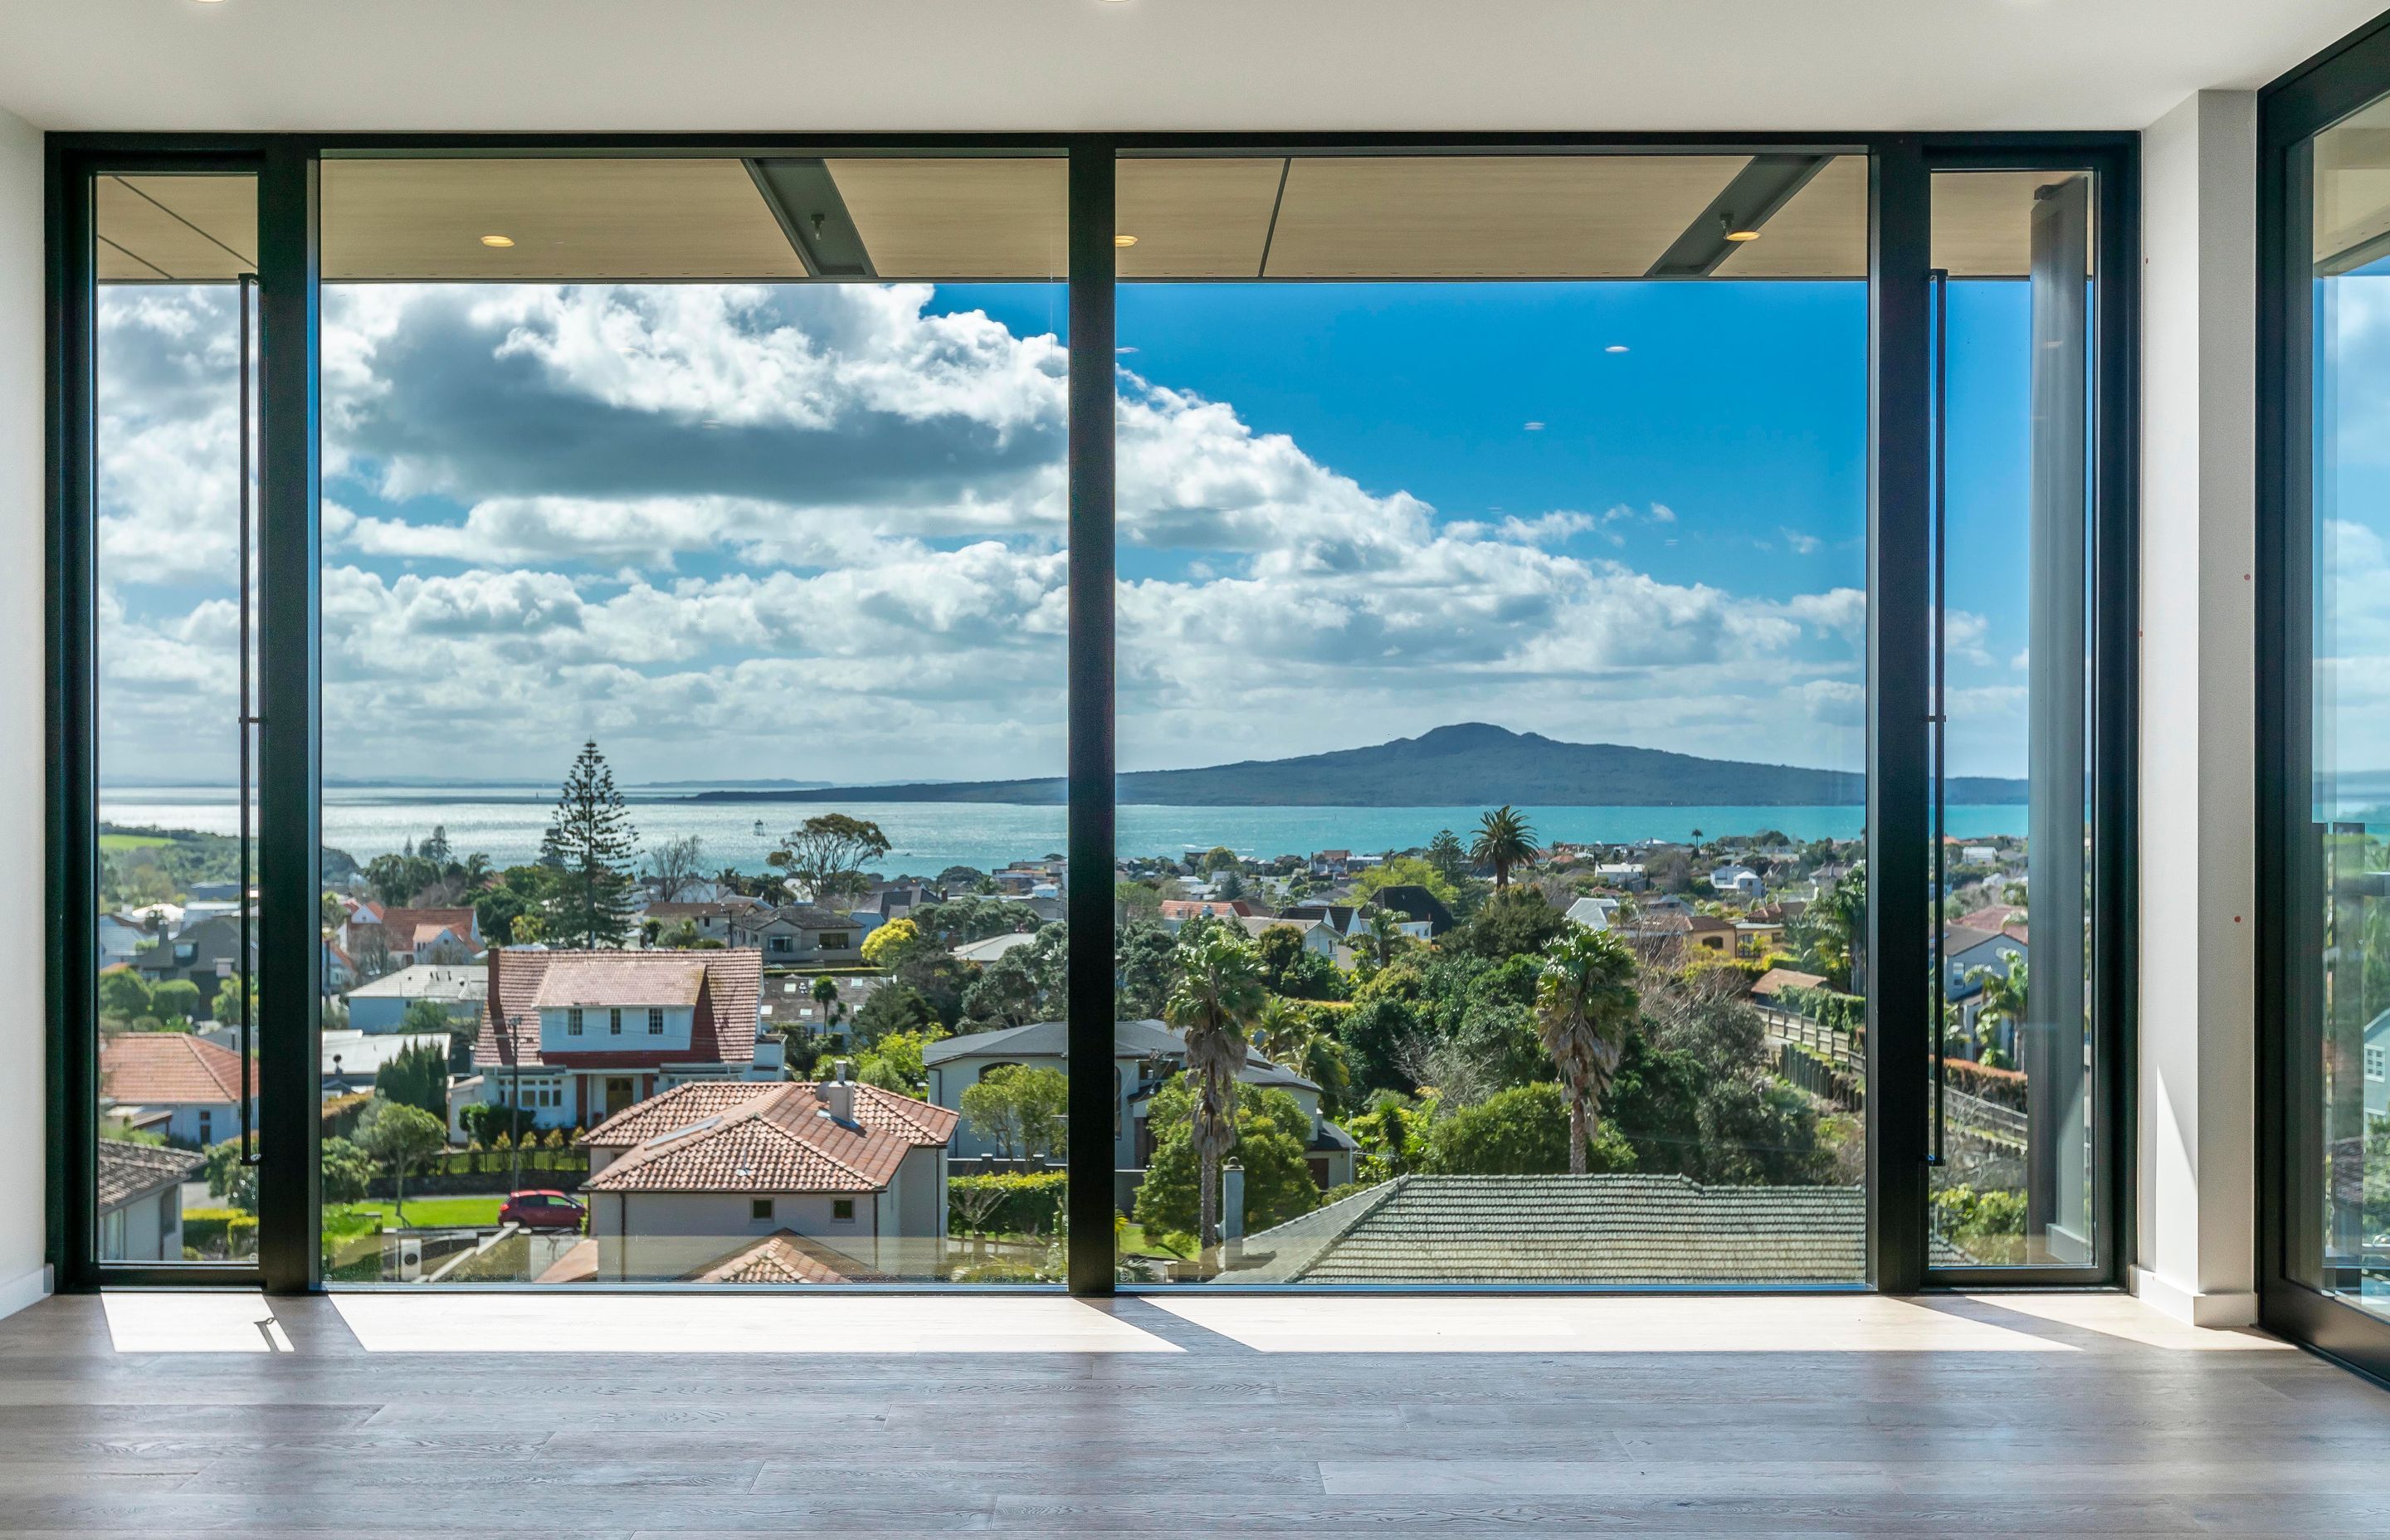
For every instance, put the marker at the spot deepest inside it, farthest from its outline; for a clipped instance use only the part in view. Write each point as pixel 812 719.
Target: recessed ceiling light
pixel 1615 347
pixel 499 242
pixel 1534 428
pixel 1124 240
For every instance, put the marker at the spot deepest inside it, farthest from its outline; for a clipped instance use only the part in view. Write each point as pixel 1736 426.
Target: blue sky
pixel 816 531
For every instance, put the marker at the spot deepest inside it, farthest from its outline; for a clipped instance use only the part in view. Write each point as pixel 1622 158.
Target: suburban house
pixel 578 1036
pixel 790 1182
pixel 1965 949
pixel 1592 913
pixel 196 1084
pixel 1738 879
pixel 1145 1054
pixel 799 936
pixel 1330 863
pixel 119 938
pixel 787 1004
pixel 1768 990
pixel 380 937
pixel 382 1006
pixel 988 949
pixel 1411 902
pixel 1317 936
pixel 1338 916
pixel 899 901
pixel 709 921
pixel 1626 875
pixel 1176 912
pixel 141 1201
pixel 350 1059
pixel 204 953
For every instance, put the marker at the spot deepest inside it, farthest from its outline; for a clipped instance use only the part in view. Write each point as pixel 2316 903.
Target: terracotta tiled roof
pixel 781 1139
pixel 618 978
pixel 128 1170
pixel 409 923
pixel 723 1031
pixel 783 1256
pixel 1785 978
pixel 148 1068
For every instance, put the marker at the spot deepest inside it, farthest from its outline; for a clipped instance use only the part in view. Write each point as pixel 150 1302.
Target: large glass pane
pixel 2017 1128
pixel 692 527
pixel 2338 1226
pixel 1492 719
pixel 175 948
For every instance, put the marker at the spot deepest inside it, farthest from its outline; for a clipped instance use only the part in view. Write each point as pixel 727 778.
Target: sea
pixel 505 823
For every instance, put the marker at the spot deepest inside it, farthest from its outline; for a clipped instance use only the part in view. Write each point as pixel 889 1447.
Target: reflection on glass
pixel 2338 1234
pixel 170 253
pixel 2016 1130
pixel 1491 621
pixel 693 530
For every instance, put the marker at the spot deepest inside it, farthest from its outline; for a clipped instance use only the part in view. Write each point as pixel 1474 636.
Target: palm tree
pixel 1585 998
pixel 1215 1000
pixel 2004 994
pixel 1384 936
pixel 1505 839
pixel 825 995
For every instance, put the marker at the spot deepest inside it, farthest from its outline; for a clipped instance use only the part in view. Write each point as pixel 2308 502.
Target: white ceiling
pixel 1140 64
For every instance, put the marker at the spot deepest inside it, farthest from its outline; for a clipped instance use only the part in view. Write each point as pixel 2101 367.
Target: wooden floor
pixel 361 1417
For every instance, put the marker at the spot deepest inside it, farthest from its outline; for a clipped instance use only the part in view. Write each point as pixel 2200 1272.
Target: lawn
pixel 422 1213
pixel 132 842
pixel 1134 1244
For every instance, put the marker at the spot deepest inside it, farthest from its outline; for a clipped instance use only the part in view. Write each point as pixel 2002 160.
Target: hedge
pixel 220 1232
pixel 1826 1006
pixel 1027 1202
pixel 2000 1087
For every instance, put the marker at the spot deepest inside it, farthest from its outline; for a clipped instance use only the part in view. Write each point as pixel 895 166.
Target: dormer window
pixel 572 1023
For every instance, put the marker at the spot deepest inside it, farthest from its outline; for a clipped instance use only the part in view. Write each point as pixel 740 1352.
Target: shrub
pixel 1521 1132
pixel 1025 1202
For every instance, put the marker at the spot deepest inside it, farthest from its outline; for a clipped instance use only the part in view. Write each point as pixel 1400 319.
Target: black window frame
pixel 2349 75
pixel 289 767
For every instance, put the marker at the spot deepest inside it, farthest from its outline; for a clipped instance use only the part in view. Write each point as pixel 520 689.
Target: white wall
pixel 2197 1166
pixel 24 1276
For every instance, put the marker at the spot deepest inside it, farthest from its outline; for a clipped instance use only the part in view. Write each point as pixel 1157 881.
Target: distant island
pixel 1471 763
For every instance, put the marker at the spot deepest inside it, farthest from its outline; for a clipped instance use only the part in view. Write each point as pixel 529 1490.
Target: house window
pixel 842 1210
pixel 781 944
pixel 760 1208
pixel 833 940
pixel 655 1022
pixel 572 1023
pixel 614 1021
pixel 2374 1062
pixel 207 1126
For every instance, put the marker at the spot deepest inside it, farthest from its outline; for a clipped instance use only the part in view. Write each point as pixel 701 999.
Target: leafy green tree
pixel 1406 871
pixel 225 1008
pixel 1291 1036
pixel 887 945
pixel 347 1171
pixel 934 974
pixel 893 1063
pixel 892 1008
pixel 519 892
pixel 825 855
pixel 1584 1002
pixel 1022 1111
pixel 418 1076
pixel 174 1001
pixel 1145 962
pixel 1509 925
pixel 1444 853
pixel 1278 948
pixel 400 1137
pixel 592 842
pixel 1383 937
pixel 2004 992
pixel 227 1178
pixel 1004 995
pixel 1504 840
pixel 1181 1192
pixel 1521 1132
pixel 971 916
pixel 1217 997
pixel 123 997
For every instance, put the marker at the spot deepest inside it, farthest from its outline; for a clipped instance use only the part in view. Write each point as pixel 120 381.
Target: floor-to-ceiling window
pixel 2326 754
pixel 1499 585
pixel 1492 718
pixel 174 259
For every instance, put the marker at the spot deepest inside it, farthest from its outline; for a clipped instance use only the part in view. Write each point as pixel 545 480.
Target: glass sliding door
pixel 694 529
pixel 1491 855
pixel 2020 1129
pixel 172 577
pixel 2327 1273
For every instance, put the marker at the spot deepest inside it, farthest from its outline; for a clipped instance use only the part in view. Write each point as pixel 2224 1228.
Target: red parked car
pixel 543 1209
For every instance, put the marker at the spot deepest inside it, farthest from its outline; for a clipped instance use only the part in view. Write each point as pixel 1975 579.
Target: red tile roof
pixel 723 985
pixel 779 1137
pixel 405 925
pixel 147 1068
pixel 783 1256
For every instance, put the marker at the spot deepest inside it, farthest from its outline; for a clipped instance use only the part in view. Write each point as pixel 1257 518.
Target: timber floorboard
pixel 1327 1416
